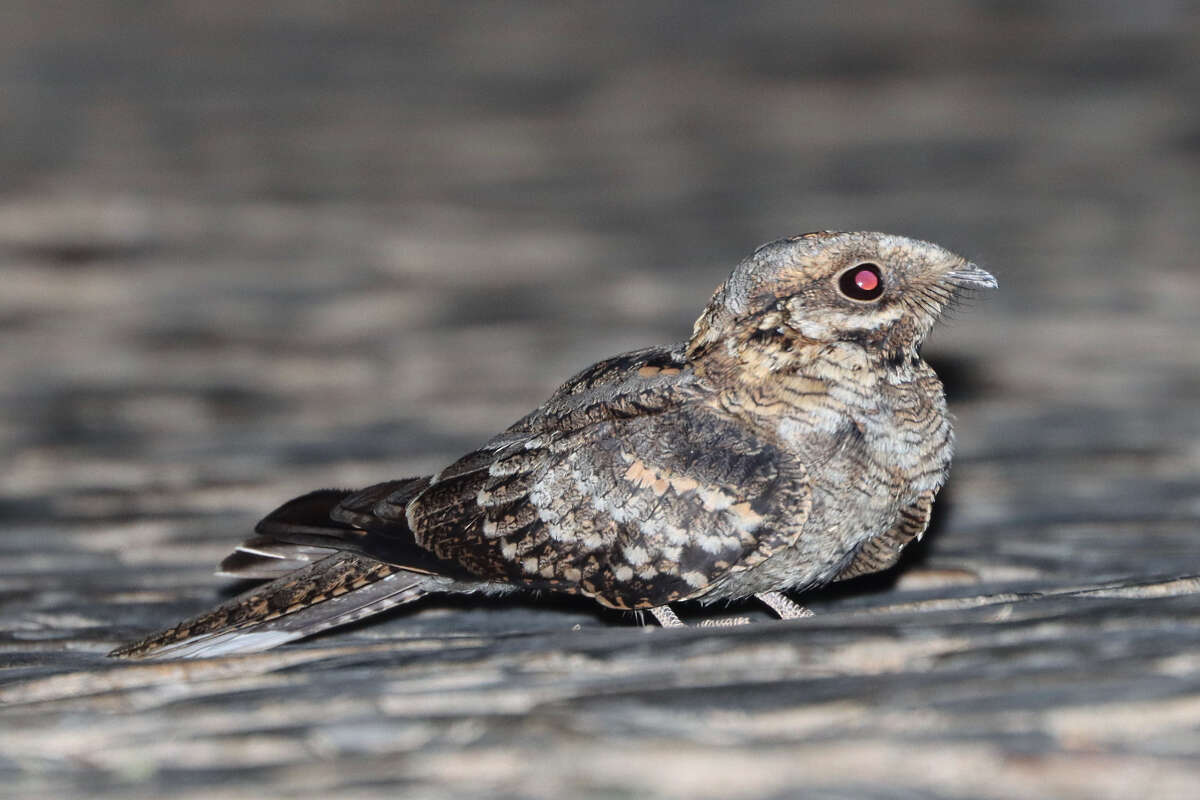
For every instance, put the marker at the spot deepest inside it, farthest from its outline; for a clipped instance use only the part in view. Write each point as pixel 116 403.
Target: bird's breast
pixel 872 443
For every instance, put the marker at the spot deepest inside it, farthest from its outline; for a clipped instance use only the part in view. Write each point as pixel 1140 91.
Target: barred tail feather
pixel 334 591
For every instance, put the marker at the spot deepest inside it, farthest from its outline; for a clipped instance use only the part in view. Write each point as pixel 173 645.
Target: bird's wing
pixel 373 522
pixel 639 372
pixel 640 498
pixel 314 526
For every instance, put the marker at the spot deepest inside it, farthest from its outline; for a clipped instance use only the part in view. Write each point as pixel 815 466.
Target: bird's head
pixel 882 291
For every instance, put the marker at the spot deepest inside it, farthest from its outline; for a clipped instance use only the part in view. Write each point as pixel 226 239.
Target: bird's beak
pixel 969 276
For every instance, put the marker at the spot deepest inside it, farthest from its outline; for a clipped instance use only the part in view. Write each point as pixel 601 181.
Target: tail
pixel 335 591
pixel 326 570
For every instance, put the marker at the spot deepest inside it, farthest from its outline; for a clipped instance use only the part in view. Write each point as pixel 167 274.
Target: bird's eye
pixel 862 282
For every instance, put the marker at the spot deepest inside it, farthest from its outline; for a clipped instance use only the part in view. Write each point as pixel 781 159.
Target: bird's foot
pixel 666 617
pixel 725 622
pixel 783 605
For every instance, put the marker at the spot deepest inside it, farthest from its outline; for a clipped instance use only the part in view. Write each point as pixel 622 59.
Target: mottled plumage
pixel 795 439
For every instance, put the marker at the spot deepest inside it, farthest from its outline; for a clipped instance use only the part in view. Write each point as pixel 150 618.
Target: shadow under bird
pixel 797 438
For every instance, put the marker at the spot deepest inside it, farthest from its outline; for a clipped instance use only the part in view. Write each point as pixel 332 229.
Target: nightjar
pixel 797 438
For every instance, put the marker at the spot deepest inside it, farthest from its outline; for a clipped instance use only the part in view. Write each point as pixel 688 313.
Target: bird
pixel 796 438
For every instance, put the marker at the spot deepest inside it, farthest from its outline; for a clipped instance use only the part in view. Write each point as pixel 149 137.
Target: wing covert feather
pixel 634 510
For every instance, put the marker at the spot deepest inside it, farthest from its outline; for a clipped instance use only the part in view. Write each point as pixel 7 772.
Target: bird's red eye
pixel 862 282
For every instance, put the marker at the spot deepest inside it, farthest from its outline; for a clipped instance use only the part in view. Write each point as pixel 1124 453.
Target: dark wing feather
pixel 370 522
pixel 379 507
pixel 266 557
pixel 298 533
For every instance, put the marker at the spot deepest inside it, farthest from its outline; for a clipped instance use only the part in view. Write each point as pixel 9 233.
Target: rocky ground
pixel 248 250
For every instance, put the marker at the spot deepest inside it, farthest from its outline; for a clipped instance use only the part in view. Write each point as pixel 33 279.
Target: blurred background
pixel 249 249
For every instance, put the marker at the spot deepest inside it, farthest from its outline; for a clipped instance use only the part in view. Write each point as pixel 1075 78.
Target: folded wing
pixel 636 501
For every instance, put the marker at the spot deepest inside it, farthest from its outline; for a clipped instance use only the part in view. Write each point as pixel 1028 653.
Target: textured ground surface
pixel 248 251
